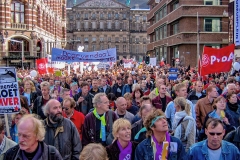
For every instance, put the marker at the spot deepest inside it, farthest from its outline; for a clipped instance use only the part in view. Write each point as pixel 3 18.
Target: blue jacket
pixel 234 115
pixel 199 151
pixel 144 150
pixel 126 89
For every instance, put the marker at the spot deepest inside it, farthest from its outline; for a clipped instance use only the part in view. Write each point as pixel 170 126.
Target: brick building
pixel 39 24
pixel 173 28
pixel 108 24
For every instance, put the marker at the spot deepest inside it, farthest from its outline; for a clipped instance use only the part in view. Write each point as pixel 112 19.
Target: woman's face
pixel 17 118
pixel 233 99
pixel 137 94
pixel 27 85
pixel 129 103
pixel 148 109
pixel 124 133
pixel 221 104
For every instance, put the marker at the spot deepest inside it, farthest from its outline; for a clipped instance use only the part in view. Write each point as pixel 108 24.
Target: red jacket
pixel 78 119
pixel 158 103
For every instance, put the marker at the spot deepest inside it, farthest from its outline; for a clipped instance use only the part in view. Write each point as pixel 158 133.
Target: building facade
pixel 109 24
pixel 38 24
pixel 178 26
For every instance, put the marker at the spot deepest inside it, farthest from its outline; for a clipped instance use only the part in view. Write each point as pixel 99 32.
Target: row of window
pixel 109 39
pixel 162 12
pixel 161 32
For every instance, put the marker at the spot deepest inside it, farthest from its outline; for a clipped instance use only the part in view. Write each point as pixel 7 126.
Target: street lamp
pixel 22 42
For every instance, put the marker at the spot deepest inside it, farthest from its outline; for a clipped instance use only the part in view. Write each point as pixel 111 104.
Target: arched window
pixel 15 48
pixel 17 12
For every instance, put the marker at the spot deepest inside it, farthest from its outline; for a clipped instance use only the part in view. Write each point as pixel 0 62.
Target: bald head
pixel 49 105
pixel 121 104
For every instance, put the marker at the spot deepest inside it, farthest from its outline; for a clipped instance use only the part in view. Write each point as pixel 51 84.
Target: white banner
pixel 237 22
pixel 153 61
pixel 55 64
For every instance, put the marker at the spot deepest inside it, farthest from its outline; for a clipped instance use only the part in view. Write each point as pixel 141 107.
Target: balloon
pixel 33 73
pixel 236 66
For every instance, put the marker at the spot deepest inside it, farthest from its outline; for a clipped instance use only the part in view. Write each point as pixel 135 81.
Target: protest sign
pixel 103 65
pixel 42 65
pixel 55 64
pixel 62 55
pixel 9 93
pixel 217 60
pixel 153 61
pixel 173 74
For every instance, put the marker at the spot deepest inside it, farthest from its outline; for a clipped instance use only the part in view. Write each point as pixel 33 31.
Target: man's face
pixel 26 136
pixel 55 111
pixel 74 87
pixel 119 81
pixel 231 88
pixel 66 94
pixel 122 105
pixel 94 84
pixel 85 90
pixel 103 82
pixel 199 87
pixel 214 135
pixel 213 93
pixel 45 90
pixel 163 89
pixel 51 81
pixel 57 83
pixel 130 81
pixel 182 92
pixel 67 107
pixel 161 125
pixel 104 105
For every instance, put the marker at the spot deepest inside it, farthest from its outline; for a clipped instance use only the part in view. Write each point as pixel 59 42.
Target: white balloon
pixel 236 66
pixel 33 73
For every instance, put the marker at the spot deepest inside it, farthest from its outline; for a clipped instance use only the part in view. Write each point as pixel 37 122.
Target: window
pixel 17 12
pixel 175 28
pixel 116 16
pixel 101 25
pixel 101 16
pixel 175 51
pixel 124 39
pixel 109 39
pixel 85 47
pixel 175 5
pixel 144 48
pixel 86 16
pixel 86 25
pixel 117 47
pixel 144 18
pixel 86 39
pixel 93 15
pixel 109 15
pixel 79 38
pixel 217 46
pixel 101 47
pixel 157 34
pixel 165 11
pixel 101 39
pixel 117 25
pixel 116 39
pixel 78 15
pixel 212 25
pixel 136 49
pixel 109 26
pixel 94 39
pixel 93 47
pixel 165 31
pixel 124 48
pixel 124 26
pixel 94 26
pixel 137 18
pixel 124 16
pixel 78 24
pixel 213 2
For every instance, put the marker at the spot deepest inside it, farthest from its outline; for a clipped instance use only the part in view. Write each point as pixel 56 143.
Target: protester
pixel 69 112
pixel 98 123
pixel 197 93
pixel 117 88
pixel 137 134
pixel 122 147
pixel 161 101
pixel 204 106
pixel 74 89
pixel 121 110
pixel 157 133
pixel 137 94
pixel 95 89
pixel 233 108
pixel 155 92
pixel 93 151
pixel 127 88
pixel 29 92
pixel 61 132
pixel 13 130
pixel 214 147
pixel 105 88
pixel 130 107
pixel 234 137
pixel 184 125
pixel 31 145
pixel 41 101
pixel 5 143
pixel 84 99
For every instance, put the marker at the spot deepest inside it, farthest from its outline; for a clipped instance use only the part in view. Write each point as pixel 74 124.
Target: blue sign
pixel 172 73
pixel 62 55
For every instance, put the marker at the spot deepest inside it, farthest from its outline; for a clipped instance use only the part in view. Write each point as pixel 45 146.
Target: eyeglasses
pixel 89 81
pixel 164 88
pixel 145 98
pixel 66 109
pixel 213 134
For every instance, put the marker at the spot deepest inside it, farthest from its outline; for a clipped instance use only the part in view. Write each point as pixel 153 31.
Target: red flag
pixel 50 70
pixel 42 65
pixel 217 60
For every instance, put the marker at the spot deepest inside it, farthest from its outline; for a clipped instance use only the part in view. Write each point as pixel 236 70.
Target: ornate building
pixel 39 24
pixel 108 24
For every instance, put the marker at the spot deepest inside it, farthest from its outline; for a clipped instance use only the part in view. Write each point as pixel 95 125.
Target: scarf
pixel 159 148
pixel 103 124
pixel 232 107
pixel 178 116
pixel 125 153
pixel 156 91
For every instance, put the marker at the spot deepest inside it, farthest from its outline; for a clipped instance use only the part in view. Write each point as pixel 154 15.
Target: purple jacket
pixel 158 103
pixel 89 127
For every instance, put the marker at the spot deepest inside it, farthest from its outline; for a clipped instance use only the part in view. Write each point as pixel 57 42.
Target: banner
pixel 217 60
pixel 153 61
pixel 173 74
pixel 9 95
pixel 108 55
pixel 55 64
pixel 237 22
pixel 42 65
pixel 128 63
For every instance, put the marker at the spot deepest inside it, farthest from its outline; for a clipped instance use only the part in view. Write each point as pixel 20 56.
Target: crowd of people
pixel 125 114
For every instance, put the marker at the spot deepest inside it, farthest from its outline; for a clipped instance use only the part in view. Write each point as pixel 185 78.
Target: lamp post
pixel 22 42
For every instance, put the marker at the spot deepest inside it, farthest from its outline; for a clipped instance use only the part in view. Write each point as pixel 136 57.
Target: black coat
pixel 37 107
pixel 33 96
pixel 88 98
pixel 113 151
pixel 234 137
